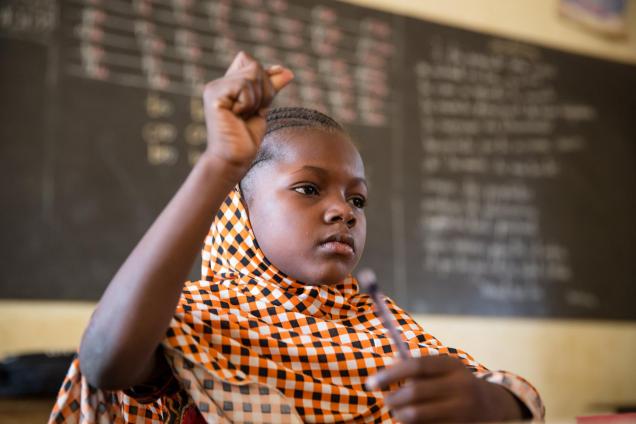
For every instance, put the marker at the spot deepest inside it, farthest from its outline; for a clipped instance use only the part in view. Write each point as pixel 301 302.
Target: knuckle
pixel 407 414
pixel 423 363
pixel 247 87
pixel 465 375
pixel 382 378
pixel 458 379
pixel 407 393
pixel 448 359
pixel 209 87
pixel 209 90
pixel 455 385
pixel 451 363
pixel 253 68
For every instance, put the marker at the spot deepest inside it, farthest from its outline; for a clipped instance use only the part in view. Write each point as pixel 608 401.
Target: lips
pixel 339 243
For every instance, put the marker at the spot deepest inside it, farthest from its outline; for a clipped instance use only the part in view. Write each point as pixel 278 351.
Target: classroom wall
pixel 535 21
pixel 579 366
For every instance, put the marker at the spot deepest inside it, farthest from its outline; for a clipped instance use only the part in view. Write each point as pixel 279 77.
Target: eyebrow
pixel 323 173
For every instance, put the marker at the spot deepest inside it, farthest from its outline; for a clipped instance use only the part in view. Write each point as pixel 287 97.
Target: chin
pixel 325 273
pixel 331 278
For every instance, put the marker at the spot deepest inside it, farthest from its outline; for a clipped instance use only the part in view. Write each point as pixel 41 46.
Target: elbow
pixel 103 371
pixel 100 375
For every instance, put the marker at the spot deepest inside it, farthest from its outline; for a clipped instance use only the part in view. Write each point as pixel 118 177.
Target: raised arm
pixel 134 312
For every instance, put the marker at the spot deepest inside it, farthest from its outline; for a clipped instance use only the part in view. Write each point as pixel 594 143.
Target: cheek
pixel 280 234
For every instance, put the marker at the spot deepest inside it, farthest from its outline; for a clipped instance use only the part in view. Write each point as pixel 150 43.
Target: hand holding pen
pixel 436 387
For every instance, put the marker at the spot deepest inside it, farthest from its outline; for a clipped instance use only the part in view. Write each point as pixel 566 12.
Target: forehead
pixel 331 150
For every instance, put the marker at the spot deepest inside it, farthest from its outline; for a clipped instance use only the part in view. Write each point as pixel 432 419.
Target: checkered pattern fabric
pixel 250 344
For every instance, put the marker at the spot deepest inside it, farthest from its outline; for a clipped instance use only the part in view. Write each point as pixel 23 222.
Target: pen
pixel 369 283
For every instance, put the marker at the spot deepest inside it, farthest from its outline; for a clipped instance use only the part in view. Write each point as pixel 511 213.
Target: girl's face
pixel 306 205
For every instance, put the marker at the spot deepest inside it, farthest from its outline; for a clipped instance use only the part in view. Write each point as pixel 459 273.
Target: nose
pixel 340 211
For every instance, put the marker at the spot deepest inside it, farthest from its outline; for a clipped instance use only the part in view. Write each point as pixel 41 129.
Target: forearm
pixel 136 308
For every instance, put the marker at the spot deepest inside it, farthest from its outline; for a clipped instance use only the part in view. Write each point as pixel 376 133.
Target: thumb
pixel 279 76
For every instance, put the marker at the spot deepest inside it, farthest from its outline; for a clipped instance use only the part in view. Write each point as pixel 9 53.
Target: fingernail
pixel 275 68
pixel 371 383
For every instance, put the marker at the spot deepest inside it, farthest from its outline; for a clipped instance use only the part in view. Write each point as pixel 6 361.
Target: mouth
pixel 339 244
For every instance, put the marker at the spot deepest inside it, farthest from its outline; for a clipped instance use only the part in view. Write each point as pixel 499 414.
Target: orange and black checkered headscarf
pixel 249 344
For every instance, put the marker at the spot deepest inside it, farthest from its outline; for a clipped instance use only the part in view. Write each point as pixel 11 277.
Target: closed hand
pixel 235 108
pixel 442 389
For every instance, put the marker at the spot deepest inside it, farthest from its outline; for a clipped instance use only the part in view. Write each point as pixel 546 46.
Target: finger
pixel 274 70
pixel 258 90
pixel 255 72
pixel 279 76
pixel 235 94
pixel 419 391
pixel 246 103
pixel 427 366
pixel 268 92
pixel 240 61
pixel 439 411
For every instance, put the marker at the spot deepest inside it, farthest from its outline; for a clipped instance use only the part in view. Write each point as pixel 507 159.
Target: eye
pixel 358 201
pixel 307 190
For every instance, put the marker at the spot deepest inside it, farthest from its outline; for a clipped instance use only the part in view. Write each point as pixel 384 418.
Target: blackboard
pixel 502 173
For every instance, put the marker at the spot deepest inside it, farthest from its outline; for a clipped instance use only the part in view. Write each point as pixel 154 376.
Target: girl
pixel 276 330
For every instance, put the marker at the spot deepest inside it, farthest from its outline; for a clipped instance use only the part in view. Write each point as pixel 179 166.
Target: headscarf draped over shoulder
pixel 249 343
